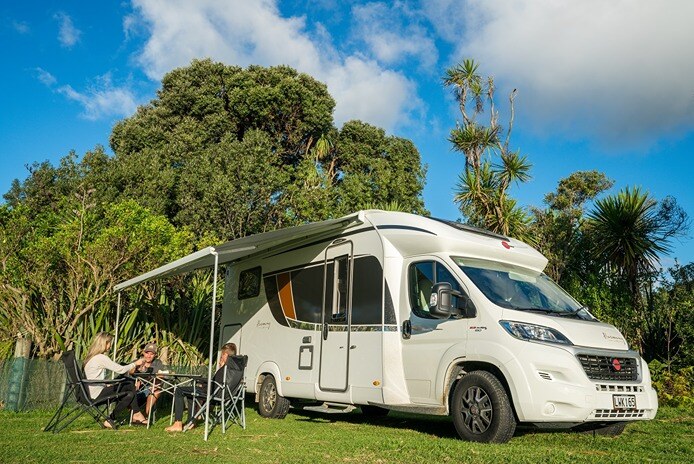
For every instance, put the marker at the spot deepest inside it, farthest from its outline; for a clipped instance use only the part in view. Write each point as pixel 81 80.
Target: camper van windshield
pixel 514 287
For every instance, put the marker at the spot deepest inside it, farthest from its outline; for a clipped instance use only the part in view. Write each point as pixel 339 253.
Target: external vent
pixel 619 388
pixel 609 368
pixel 618 414
pixel 545 375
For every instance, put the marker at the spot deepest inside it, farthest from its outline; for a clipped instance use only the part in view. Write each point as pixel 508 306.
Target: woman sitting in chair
pixel 95 366
pixel 200 391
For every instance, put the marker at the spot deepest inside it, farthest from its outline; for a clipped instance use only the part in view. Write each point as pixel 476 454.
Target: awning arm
pixel 115 338
pixel 209 369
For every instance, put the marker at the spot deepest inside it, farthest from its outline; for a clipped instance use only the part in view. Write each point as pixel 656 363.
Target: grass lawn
pixel 352 438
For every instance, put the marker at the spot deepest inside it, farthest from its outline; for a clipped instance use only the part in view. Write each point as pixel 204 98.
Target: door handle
pixel 325 331
pixel 406 329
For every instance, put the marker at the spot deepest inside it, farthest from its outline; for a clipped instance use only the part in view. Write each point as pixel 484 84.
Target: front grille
pixel 618 414
pixel 609 368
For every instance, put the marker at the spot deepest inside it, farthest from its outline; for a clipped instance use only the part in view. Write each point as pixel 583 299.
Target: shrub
pixel 674 387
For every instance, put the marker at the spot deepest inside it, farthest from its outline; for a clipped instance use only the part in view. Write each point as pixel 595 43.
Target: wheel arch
pixel 458 370
pixel 265 369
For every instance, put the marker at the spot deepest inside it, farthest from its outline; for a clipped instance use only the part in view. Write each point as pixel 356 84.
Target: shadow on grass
pixel 439 426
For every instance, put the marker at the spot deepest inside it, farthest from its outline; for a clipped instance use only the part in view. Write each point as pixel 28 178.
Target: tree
pixel 56 277
pixel 372 168
pixel 482 189
pixel 669 320
pixel 630 231
pixel 558 230
pixel 217 133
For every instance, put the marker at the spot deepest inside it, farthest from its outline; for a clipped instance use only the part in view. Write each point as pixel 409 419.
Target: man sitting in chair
pixel 151 365
pixel 198 393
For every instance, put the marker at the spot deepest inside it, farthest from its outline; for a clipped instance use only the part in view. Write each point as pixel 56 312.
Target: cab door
pixel 425 338
pixel 337 317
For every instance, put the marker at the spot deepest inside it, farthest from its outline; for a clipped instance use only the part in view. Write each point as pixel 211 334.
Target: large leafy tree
pixel 482 189
pixel 372 168
pixel 229 151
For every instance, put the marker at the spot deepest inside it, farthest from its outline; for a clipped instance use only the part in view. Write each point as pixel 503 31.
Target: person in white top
pixel 96 363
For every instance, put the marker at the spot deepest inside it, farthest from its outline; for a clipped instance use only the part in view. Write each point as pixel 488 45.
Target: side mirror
pixel 440 302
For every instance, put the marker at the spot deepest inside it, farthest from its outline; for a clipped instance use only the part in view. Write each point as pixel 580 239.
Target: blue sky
pixel 601 85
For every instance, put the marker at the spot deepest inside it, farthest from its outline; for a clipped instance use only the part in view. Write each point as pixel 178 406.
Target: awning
pixel 240 248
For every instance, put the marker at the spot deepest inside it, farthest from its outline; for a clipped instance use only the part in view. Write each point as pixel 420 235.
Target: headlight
pixel 538 333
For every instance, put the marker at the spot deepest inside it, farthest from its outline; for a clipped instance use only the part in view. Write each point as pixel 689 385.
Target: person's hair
pixel 99 345
pixel 229 348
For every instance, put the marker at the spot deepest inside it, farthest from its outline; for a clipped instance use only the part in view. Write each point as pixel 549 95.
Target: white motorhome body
pixel 344 316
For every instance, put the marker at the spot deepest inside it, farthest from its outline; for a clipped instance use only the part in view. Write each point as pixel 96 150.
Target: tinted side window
pixel 421 280
pixel 307 288
pixel 249 283
pixel 367 291
pixel 422 277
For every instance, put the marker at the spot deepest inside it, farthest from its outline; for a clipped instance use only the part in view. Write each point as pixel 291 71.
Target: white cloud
pixel 620 70
pixel 68 34
pixel 21 26
pixel 45 77
pixel 129 26
pixel 102 100
pixel 392 32
pixel 240 32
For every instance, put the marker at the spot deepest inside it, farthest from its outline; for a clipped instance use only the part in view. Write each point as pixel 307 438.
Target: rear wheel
pixel 481 409
pixel 270 403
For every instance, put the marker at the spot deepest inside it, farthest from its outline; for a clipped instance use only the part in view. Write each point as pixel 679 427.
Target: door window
pixel 422 277
pixel 341 286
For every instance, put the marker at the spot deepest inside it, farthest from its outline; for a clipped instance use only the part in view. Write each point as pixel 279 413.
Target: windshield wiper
pixel 541 310
pixel 571 313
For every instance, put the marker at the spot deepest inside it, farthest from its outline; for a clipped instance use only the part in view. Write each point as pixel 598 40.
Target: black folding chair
pixel 227 399
pixel 77 391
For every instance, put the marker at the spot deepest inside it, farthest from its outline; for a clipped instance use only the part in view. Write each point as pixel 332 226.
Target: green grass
pixel 337 438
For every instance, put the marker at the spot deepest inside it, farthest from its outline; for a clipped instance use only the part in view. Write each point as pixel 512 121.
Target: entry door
pixel 337 317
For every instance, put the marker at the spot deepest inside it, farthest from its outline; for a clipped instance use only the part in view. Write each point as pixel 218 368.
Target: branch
pixel 511 98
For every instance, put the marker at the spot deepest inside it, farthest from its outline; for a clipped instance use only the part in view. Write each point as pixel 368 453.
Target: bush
pixel 674 387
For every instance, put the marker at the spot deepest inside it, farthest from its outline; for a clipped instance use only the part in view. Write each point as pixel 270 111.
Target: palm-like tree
pixel 482 190
pixel 482 196
pixel 630 231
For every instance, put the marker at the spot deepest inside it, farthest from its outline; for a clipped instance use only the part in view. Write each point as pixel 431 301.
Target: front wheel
pixel 481 409
pixel 270 403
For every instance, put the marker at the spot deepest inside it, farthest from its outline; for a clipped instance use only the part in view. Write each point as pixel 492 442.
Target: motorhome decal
pixel 284 284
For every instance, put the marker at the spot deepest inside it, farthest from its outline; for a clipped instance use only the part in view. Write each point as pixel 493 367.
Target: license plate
pixel 624 401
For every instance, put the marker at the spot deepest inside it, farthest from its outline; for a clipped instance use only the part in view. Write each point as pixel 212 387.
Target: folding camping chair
pixel 227 399
pixel 77 390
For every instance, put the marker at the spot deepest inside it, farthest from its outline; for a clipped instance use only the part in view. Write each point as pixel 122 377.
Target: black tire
pixel 611 430
pixel 270 403
pixel 481 409
pixel 374 411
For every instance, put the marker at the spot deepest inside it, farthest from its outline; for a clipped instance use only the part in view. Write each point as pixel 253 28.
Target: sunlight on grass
pixel 347 438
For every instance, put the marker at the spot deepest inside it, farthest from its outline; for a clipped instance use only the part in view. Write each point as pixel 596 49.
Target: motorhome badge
pixel 616 365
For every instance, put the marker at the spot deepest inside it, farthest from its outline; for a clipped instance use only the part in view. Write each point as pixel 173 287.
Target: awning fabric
pixel 240 248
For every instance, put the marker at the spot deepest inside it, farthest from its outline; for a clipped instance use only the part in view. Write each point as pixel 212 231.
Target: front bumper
pixel 549 385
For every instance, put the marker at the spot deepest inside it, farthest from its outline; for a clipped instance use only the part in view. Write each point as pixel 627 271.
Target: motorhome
pixel 394 311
